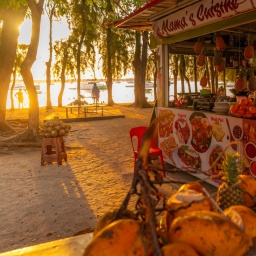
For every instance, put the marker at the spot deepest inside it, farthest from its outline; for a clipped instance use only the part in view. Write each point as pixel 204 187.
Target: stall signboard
pixel 192 140
pixel 201 14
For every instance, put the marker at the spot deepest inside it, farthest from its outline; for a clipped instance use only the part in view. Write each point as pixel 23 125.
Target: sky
pixel 60 30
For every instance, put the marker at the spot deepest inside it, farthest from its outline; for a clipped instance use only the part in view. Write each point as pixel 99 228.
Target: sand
pixel 45 203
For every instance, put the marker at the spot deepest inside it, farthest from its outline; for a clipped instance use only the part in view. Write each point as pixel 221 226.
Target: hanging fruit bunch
pixel 240 82
pixel 249 49
pixel 200 61
pixel 198 46
pixel 53 128
pixel 218 61
pixel 252 82
pixel 204 80
pixel 220 43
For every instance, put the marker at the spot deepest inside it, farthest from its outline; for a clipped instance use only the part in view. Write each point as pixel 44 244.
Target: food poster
pixel 249 146
pixel 193 139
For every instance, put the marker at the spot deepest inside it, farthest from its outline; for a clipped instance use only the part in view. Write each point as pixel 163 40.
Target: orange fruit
pixel 248 115
pixel 249 102
pixel 252 110
pixel 238 114
pixel 243 101
pixel 247 108
pixel 233 109
pixel 241 111
pixel 243 107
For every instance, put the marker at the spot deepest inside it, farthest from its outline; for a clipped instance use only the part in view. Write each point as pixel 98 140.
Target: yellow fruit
pixel 122 237
pixel 248 183
pixel 178 249
pixel 109 217
pixel 244 217
pixel 209 233
pixel 193 186
pixel 183 202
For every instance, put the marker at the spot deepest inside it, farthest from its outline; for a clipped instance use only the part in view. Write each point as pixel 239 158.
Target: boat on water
pixel 23 87
pixel 87 86
pixel 147 85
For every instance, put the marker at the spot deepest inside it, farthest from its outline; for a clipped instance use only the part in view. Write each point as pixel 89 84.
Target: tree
pixel 64 64
pixel 82 18
pixel 20 56
pixel 115 46
pixel 53 9
pixel 50 9
pixel 140 63
pixel 36 8
pixel 11 14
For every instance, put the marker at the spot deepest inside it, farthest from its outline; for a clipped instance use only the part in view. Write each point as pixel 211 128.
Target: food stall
pixel 194 134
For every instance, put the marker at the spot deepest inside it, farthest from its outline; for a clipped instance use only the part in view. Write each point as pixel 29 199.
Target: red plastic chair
pixel 138 132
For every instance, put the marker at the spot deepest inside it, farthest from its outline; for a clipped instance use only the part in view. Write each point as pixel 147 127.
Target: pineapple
pixel 204 80
pixel 229 192
pixel 252 82
pixel 240 83
pixel 217 59
pixel 201 58
pixel 198 46
pixel 248 52
pixel 220 43
pixel 249 49
pixel 220 67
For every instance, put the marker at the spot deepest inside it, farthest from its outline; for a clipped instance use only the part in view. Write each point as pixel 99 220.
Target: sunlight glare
pixel 25 32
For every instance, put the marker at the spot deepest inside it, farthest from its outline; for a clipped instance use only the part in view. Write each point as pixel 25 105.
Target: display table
pixel 191 140
pixel 69 247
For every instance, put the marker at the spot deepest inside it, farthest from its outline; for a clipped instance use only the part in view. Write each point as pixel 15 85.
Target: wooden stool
pixel 53 150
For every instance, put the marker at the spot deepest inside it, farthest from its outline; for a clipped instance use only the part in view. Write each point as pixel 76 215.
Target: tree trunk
pixel 63 79
pixel 109 59
pixel 36 10
pixel 182 74
pixel 144 58
pixel 12 89
pixel 49 65
pixel 78 66
pixel 9 39
pixel 175 76
pixel 195 74
pixel 137 68
pixel 109 68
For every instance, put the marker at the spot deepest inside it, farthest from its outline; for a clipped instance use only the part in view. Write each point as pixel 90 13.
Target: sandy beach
pixel 45 203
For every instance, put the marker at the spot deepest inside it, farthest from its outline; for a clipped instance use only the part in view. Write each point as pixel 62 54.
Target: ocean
pixel 123 92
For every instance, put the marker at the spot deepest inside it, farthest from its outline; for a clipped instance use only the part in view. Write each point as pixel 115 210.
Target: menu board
pixel 192 140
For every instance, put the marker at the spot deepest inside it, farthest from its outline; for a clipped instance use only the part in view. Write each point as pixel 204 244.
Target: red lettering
pixel 191 18
pixel 174 25
pixel 216 10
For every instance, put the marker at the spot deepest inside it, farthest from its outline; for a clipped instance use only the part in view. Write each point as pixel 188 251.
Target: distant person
pixel 20 97
pixel 95 92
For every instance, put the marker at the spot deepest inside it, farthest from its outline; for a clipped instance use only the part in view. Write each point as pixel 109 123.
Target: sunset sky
pixel 60 30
